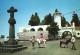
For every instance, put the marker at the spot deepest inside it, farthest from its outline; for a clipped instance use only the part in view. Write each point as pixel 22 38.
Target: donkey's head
pixel 69 40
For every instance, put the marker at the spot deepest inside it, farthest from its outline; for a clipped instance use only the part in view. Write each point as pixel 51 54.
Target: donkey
pixel 41 41
pixel 64 41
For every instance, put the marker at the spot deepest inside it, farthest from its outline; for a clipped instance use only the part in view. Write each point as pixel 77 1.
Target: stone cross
pixel 12 21
pixel 11 11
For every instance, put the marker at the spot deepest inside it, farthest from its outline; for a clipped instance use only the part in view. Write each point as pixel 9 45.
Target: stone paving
pixel 51 49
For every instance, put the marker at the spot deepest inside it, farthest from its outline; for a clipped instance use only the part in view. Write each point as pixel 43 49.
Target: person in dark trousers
pixel 33 42
pixel 73 42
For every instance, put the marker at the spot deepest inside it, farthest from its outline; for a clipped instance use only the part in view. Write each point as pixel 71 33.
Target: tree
pixel 25 30
pixel 31 22
pixel 7 36
pixel 53 29
pixel 47 20
pixel 63 21
pixel 68 23
pixel 43 22
pixel 79 22
pixel 34 20
pixel 2 36
pixel 75 19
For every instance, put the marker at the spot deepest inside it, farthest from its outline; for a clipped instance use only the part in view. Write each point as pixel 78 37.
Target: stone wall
pixel 29 35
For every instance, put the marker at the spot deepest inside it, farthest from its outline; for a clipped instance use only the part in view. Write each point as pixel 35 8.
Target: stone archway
pixel 66 34
pixel 32 29
pixel 40 29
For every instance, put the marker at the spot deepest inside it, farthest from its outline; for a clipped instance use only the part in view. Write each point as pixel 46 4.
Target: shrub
pixel 2 36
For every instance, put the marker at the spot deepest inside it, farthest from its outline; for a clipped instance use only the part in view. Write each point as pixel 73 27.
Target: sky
pixel 28 7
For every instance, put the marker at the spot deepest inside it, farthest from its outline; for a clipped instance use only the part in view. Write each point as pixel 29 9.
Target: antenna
pixel 71 12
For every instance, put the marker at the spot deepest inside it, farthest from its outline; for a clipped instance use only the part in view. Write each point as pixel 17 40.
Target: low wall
pixel 29 35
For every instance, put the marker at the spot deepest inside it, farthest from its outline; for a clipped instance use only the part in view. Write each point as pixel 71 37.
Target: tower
pixel 57 18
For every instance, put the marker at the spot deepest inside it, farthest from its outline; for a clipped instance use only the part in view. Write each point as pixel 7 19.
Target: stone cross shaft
pixel 11 11
pixel 12 21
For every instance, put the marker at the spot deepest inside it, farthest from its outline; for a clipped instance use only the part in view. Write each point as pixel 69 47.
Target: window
pixel 78 33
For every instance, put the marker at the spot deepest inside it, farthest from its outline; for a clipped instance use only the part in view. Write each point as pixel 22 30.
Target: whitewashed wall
pixel 57 19
pixel 35 27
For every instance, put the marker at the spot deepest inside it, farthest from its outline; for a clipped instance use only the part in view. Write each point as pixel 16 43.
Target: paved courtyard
pixel 51 49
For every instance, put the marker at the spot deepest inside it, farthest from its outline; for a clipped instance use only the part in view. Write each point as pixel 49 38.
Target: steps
pixel 11 48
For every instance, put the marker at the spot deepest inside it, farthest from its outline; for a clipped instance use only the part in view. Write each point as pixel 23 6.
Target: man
pixel 33 42
pixel 73 42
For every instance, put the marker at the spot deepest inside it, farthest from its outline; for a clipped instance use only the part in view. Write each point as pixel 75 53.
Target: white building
pixel 37 30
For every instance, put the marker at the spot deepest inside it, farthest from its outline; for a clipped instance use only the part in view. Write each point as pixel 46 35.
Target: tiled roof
pixel 57 13
pixel 77 27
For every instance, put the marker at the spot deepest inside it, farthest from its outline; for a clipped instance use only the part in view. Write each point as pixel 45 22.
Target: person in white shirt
pixel 73 42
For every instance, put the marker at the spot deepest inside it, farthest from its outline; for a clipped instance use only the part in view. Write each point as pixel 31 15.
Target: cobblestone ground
pixel 51 49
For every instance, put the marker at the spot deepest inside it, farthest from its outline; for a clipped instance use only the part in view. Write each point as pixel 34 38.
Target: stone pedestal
pixel 11 48
pixel 12 44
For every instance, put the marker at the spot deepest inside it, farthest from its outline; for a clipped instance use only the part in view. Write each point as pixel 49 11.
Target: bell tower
pixel 57 18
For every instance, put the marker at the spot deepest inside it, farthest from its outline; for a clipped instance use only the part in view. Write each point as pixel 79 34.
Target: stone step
pixel 6 49
pixel 11 46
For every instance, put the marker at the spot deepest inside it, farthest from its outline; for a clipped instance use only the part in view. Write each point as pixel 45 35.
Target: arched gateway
pixel 67 34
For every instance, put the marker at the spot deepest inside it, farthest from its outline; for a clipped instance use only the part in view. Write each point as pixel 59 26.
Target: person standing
pixel 33 42
pixel 73 42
